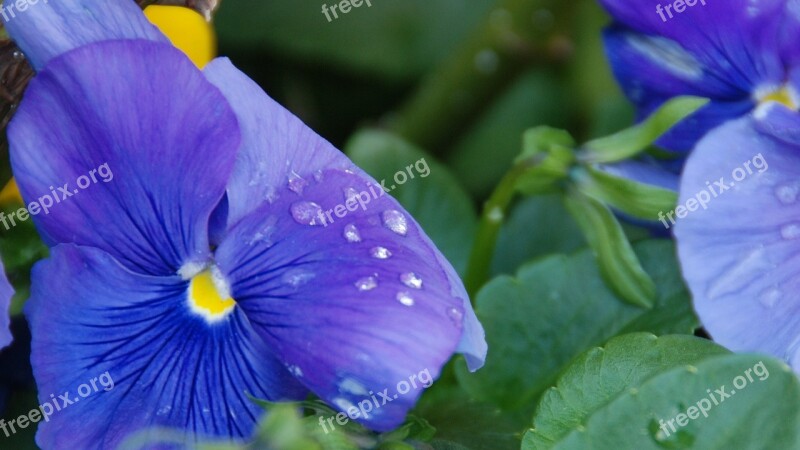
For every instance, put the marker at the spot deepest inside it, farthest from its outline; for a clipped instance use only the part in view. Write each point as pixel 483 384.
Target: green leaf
pixel 558 307
pixel 548 152
pixel 537 226
pixel 390 39
pixel 601 374
pixel 760 409
pixel 632 141
pixel 639 200
pixel 436 201
pixel 618 262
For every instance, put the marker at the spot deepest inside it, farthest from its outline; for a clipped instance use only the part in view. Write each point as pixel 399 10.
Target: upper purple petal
pixel 144 358
pixel 6 292
pixel 277 147
pixel 731 52
pixel 740 256
pixel 358 302
pixel 48 28
pixel 167 136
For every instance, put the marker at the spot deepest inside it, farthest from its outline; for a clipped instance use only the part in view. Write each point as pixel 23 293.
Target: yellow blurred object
pixel 10 194
pixel 187 29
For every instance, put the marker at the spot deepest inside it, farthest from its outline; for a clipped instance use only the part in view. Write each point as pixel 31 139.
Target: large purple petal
pixel 740 256
pixel 277 147
pixel 358 303
pixel 145 358
pixel 6 292
pixel 46 29
pixel 166 135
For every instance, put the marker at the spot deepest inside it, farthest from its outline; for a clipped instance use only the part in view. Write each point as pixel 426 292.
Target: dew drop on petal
pixel 405 298
pixel 380 253
pixel 787 193
pixel 296 371
pixel 366 284
pixel 351 233
pixel 770 297
pixel 318 176
pixel 297 277
pixel 164 410
pixel 790 231
pixel 351 386
pixel 306 213
pixel 296 183
pixel 395 221
pixel 456 316
pixel 350 194
pixel 411 280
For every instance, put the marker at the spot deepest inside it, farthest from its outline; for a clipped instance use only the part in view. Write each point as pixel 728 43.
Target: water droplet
pixel 296 183
pixel 297 277
pixel 496 215
pixel 791 231
pixel 350 194
pixel 380 253
pixel 264 235
pixel 318 176
pixel 771 297
pixel 456 316
pixel 787 193
pixel 307 213
pixel 366 284
pixel 395 221
pixel 486 62
pixel 164 410
pixel 18 55
pixel 296 371
pixel 405 298
pixel 271 194
pixel 411 280
pixel 351 233
pixel 351 386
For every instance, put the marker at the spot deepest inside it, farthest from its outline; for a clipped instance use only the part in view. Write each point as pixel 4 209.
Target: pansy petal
pixel 739 256
pixel 358 302
pixel 167 137
pixel 45 29
pixel 6 292
pixel 143 357
pixel 737 40
pixel 653 69
pixel 277 147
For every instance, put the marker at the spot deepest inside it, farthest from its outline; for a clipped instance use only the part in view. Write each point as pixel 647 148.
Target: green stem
pixel 492 218
pixel 515 35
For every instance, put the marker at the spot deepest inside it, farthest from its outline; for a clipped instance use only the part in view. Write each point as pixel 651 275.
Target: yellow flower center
pixel 782 96
pixel 187 29
pixel 206 298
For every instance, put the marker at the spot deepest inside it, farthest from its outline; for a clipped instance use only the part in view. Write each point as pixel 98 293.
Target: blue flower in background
pixel 740 257
pixel 738 53
pixel 203 273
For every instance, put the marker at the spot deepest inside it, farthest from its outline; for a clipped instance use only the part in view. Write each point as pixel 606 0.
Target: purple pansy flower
pixel 203 273
pixel 740 256
pixel 6 292
pixel 738 53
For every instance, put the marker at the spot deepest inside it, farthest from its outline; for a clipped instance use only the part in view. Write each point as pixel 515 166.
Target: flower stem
pixel 492 218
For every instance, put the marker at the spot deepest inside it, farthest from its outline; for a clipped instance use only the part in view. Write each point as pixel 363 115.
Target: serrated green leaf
pixel 558 307
pixel 603 373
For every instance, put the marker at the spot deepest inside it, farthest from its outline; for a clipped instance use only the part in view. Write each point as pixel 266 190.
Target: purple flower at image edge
pixel 199 276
